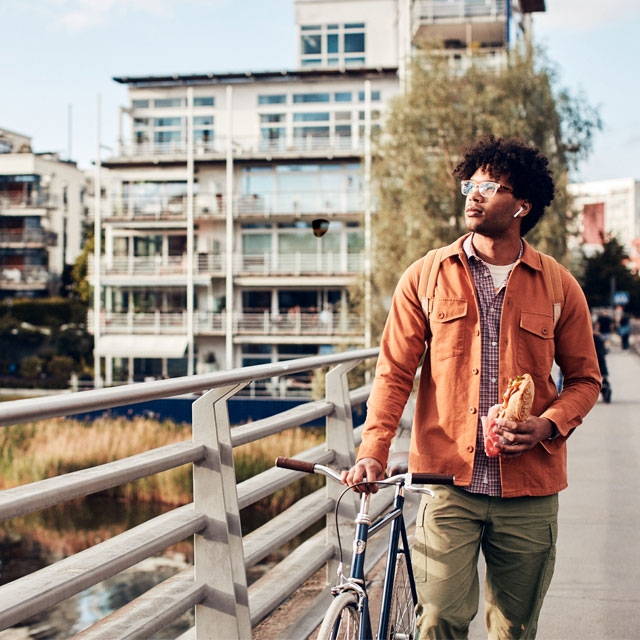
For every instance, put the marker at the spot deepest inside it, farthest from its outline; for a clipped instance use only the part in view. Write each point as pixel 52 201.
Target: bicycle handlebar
pixel 408 478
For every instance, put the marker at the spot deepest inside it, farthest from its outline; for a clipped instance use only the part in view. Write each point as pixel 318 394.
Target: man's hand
pixel 367 468
pixel 518 437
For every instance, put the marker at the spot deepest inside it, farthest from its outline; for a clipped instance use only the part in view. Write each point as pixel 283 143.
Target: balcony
pixel 168 269
pixel 27 238
pixel 213 205
pixel 24 277
pixel 165 266
pixel 243 148
pixel 33 204
pixel 462 21
pixel 268 264
pixel 298 323
pixel 247 323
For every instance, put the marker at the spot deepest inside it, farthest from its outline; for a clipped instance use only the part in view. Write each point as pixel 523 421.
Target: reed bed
pixel 34 451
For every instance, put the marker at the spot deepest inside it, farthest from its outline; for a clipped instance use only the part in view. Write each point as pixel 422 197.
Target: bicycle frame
pixel 365 530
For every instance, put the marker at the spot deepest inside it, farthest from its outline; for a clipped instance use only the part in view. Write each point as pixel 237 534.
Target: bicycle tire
pixel 342 620
pixel 402 618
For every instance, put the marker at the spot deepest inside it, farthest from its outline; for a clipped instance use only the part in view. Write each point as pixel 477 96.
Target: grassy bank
pixel 39 450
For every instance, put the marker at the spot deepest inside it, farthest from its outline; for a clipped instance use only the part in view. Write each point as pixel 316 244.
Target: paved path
pixel 595 592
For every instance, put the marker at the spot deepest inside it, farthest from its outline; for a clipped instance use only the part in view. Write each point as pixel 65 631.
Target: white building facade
pixel 210 260
pixel 42 213
pixel 607 208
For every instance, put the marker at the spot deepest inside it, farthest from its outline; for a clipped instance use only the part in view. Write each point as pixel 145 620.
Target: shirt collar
pixel 470 252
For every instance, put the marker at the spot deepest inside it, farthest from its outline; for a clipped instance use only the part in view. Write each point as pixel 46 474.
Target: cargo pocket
pixel 447 322
pixel 419 547
pixel 536 347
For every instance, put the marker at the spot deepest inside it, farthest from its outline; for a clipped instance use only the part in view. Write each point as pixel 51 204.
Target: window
pixel 375 96
pixel 332 44
pixel 168 102
pixel 203 101
pixel 310 117
pixel 343 96
pixel 311 97
pixel 200 121
pixel 272 99
pixel 272 117
pixel 167 122
pixel 140 104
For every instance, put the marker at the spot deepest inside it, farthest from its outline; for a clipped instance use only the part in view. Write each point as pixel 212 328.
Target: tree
pixel 419 202
pixel 79 274
pixel 600 268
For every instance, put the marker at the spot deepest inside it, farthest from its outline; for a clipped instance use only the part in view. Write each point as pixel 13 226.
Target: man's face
pixel 491 217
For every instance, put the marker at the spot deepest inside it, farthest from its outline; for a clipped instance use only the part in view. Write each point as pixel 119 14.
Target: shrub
pixel 31 367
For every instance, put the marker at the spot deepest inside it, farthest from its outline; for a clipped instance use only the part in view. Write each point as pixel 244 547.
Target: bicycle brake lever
pixel 416 489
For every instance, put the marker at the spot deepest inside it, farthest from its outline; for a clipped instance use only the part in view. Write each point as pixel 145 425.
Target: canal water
pixel 37 540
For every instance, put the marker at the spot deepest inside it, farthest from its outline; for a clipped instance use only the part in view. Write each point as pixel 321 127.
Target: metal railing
pixel 217 585
pixel 263 323
pixel 213 205
pixel 264 264
pixel 248 146
pixel 27 237
pixel 436 10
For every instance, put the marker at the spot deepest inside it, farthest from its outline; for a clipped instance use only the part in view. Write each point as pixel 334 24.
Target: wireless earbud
pixel 517 213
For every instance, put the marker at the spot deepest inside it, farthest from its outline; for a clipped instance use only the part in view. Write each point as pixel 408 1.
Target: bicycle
pixel 348 617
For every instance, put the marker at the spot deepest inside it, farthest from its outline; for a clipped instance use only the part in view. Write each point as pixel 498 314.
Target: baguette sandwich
pixel 516 405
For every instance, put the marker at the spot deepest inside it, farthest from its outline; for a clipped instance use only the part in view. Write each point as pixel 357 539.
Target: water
pixel 32 542
pixel 40 539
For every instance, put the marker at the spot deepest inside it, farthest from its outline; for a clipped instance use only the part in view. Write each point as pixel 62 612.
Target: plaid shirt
pixel 486 471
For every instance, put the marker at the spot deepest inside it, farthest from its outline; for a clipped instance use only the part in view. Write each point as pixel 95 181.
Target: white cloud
pixel 582 15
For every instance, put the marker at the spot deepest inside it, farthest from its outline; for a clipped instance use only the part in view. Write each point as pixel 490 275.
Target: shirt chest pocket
pixel 536 347
pixel 447 322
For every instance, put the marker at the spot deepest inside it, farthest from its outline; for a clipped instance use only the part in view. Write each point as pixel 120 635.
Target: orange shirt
pixel 445 423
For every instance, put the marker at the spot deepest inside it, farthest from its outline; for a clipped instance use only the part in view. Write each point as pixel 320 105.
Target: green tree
pixel 419 202
pixel 79 274
pixel 600 268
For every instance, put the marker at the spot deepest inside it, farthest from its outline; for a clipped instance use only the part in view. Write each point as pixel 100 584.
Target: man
pixel 491 319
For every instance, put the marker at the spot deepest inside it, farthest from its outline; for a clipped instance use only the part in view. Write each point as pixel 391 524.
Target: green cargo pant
pixel 518 540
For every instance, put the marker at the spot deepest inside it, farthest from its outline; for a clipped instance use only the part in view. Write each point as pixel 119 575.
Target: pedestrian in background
pixel 624 331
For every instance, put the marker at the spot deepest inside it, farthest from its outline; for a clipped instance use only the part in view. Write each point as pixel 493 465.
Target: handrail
pixel 16 411
pixel 217 586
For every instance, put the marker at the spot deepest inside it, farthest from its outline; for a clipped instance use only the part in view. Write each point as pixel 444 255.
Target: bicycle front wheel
pixel 342 620
pixel 402 621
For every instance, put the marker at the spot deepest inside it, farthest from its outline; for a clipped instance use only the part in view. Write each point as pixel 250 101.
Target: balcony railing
pixel 33 201
pixel 262 323
pixel 446 10
pixel 299 263
pixel 264 264
pixel 260 205
pixel 298 323
pixel 27 237
pixel 17 277
pixel 247 147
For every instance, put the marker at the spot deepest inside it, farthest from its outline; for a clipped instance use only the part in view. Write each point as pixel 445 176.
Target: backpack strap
pixel 553 282
pixel 428 277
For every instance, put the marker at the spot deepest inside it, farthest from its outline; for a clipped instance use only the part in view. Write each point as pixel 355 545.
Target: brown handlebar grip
pixel 295 465
pixel 431 478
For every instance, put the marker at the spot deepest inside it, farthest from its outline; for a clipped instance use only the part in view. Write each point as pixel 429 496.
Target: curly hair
pixel 526 169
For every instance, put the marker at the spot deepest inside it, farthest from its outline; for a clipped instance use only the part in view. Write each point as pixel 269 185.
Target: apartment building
pixel 607 207
pixel 41 217
pixel 210 256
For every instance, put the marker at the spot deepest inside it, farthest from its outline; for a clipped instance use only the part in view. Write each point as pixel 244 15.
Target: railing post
pixel 339 439
pixel 218 552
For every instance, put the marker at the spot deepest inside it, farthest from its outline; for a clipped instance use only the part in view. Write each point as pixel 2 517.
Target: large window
pixel 333 45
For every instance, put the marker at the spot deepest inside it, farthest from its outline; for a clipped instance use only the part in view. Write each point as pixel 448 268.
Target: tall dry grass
pixel 34 451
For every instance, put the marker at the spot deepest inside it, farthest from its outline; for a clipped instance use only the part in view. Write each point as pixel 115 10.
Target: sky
pixel 58 56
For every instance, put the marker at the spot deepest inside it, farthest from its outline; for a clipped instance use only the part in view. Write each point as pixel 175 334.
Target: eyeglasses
pixel 486 189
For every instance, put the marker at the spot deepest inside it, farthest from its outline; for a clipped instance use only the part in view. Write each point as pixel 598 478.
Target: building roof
pixel 238 77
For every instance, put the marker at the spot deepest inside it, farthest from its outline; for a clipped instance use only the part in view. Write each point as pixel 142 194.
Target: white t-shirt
pixel 499 273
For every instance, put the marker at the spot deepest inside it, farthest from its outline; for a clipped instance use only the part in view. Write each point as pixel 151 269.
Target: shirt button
pixel 493 380
pixel 545 331
pixel 441 315
pixel 470 449
pixel 475 371
pixel 477 332
pixel 494 343
pixel 472 409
